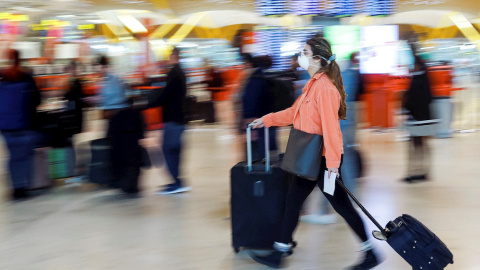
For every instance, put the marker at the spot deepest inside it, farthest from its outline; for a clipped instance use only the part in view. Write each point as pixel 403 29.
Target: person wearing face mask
pixel 318 111
pixel 301 76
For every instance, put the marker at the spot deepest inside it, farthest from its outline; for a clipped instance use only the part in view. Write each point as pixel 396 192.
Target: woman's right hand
pixel 257 123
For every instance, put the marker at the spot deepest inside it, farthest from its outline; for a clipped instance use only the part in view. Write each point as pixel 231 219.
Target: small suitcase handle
pixel 385 232
pixel 249 148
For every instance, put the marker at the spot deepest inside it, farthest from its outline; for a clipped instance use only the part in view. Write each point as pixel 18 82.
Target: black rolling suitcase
pixel 412 240
pixel 100 166
pixel 258 193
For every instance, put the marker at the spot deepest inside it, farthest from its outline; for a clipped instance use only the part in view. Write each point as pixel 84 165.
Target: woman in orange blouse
pixel 318 111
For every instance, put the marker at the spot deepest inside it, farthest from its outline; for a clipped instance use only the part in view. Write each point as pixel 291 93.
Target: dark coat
pixel 74 113
pixel 172 97
pixel 257 98
pixel 418 97
pixel 125 129
pixel 34 97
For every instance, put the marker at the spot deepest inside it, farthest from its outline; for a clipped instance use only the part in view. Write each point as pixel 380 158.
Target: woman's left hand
pixel 258 123
pixel 333 170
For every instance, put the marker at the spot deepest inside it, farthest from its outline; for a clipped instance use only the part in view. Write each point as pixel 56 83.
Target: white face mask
pixel 304 61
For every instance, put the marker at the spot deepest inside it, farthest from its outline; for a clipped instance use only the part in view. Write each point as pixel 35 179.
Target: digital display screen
pixel 379 49
pixel 345 40
pixel 272 7
pixel 281 43
pixel 379 7
pixel 305 7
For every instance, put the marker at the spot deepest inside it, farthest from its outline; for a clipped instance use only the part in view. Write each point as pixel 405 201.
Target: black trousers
pixel 128 179
pixel 298 192
pixel 418 156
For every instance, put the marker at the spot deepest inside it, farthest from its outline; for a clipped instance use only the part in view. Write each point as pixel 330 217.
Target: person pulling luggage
pixel 317 111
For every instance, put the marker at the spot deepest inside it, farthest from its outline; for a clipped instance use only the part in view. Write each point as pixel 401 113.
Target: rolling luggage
pixel 258 193
pixel 61 162
pixel 412 240
pixel 40 177
pixel 100 165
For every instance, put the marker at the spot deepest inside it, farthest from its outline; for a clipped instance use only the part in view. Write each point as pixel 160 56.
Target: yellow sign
pixel 86 26
pixel 20 18
pixel 5 16
pixel 38 27
pixel 49 22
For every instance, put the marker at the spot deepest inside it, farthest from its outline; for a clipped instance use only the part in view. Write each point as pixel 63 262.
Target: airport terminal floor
pixel 78 226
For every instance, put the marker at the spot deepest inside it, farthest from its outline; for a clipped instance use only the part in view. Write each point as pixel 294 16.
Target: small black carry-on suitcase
pixel 258 193
pixel 100 166
pixel 412 240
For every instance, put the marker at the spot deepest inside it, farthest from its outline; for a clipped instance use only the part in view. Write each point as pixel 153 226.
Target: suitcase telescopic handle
pixel 382 230
pixel 249 148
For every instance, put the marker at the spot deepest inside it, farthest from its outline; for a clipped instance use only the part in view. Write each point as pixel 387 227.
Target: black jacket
pixel 257 98
pixel 172 97
pixel 418 97
pixel 125 128
pixel 74 114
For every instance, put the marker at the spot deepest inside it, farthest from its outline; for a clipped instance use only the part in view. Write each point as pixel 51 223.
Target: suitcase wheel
pixel 294 244
pixel 379 235
pixel 236 249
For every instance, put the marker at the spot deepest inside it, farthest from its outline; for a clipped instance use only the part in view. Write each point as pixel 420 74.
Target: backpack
pixel 14 111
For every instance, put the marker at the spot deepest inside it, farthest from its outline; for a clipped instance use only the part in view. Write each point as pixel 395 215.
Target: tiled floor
pixel 77 227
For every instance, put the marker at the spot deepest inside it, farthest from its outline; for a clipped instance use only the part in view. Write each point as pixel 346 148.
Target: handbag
pixel 303 156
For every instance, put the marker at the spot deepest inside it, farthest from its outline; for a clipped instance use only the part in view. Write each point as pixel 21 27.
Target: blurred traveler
pixel 126 128
pixel 419 123
pixel 257 101
pixel 19 98
pixel 245 74
pixel 238 40
pixel 213 79
pixel 112 89
pixel 70 120
pixel 74 98
pixel 171 98
pixel 317 111
pixel 350 168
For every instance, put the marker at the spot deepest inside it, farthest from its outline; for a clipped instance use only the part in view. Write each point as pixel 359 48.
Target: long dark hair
pixel 322 50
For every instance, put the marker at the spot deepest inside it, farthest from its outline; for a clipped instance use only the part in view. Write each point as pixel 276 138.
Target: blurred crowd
pixel 40 115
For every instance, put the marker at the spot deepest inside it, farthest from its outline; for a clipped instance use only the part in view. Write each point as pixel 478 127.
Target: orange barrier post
pixel 153 116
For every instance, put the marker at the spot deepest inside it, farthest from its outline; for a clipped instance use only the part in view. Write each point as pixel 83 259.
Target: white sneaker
pixel 174 190
pixel 319 219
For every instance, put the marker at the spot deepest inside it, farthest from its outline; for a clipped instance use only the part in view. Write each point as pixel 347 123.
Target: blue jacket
pixel 112 93
pixel 351 83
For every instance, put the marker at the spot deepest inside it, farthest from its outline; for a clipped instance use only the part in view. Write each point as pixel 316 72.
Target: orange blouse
pixel 315 112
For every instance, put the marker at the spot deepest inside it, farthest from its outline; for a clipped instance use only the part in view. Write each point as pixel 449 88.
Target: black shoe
pixel 408 179
pixel 422 177
pixel 20 194
pixel 368 262
pixel 415 178
pixel 273 260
